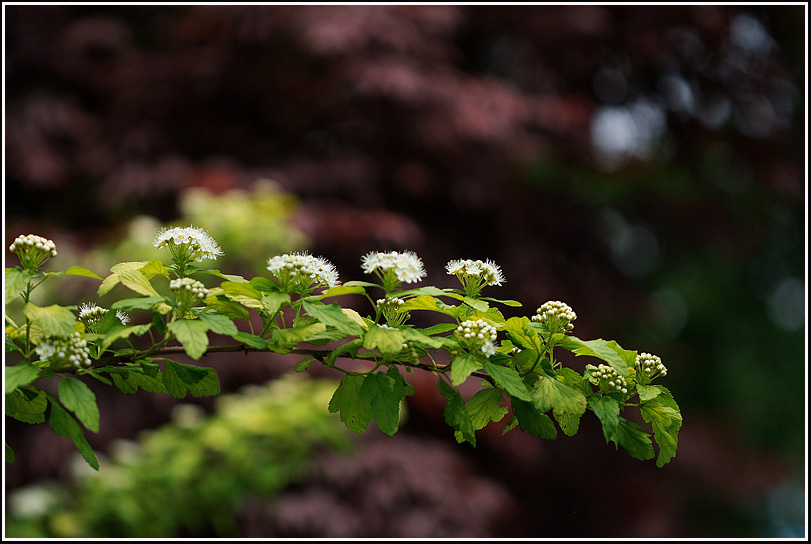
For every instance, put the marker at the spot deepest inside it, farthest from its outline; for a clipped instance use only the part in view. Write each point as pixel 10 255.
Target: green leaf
pixel 79 399
pixel 462 366
pixel 124 332
pixel 112 280
pixel 54 319
pixel 567 404
pixel 346 401
pixel 636 441
pixel 426 302
pixel 332 315
pixel 244 293
pixel 456 414
pixel 609 351
pixel 228 308
pixel 303 365
pixel 136 281
pixel 27 405
pixel 439 328
pixel 532 421
pixel 286 339
pixel 512 303
pixel 78 271
pixel 65 426
pixel 647 392
pixel 192 335
pixel 9 454
pixel 16 281
pixel 219 324
pixel 664 416
pixel 129 379
pixel 272 302
pixel 153 268
pixel 180 379
pixel 137 303
pixel 525 359
pixel 19 375
pixel 388 341
pixel 383 394
pixel 607 410
pixel 509 379
pixel 264 284
pixel 420 339
pixel 344 289
pixel 485 406
pixel 522 335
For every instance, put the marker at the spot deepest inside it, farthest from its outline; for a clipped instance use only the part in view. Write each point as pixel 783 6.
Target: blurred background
pixel 644 164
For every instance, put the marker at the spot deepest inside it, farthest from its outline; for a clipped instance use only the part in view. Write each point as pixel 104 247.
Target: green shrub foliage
pixel 295 308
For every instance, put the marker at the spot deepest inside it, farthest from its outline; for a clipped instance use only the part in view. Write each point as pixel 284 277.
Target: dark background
pixel 644 164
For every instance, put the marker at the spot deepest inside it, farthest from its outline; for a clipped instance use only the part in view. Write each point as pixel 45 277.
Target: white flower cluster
pixel 32 250
pixel 71 351
pixel 609 379
pixel 191 286
pixel 190 242
pixel 478 334
pixel 407 267
pixel 486 272
pixel 302 269
pixel 555 314
pixel 90 314
pixel 648 367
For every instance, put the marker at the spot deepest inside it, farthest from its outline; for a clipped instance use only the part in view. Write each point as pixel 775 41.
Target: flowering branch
pixel 514 357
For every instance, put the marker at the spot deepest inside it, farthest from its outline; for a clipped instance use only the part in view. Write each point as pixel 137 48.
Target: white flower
pixel 478 335
pixel 407 267
pixel 32 250
pixel 124 318
pixel 648 367
pixel 301 270
pixel 475 274
pixel 71 351
pixel 196 242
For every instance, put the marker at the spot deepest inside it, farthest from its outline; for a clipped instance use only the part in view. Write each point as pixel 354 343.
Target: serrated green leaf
pixel 383 394
pixel 532 421
pixel 387 341
pixel 456 414
pixel 511 303
pixel 124 332
pixel 332 315
pixel 567 404
pixel 507 378
pixel 286 339
pixel 425 302
pixel 128 380
pixel 345 289
pixel 191 333
pixel 665 417
pixel 607 410
pixel 135 280
pixel 65 426
pixel 421 340
pixel 16 280
pixel 462 366
pixel 218 324
pixel 154 268
pixel 20 375
pixel 485 406
pixel 647 392
pixel 522 335
pixel 79 399
pixel 346 401
pixel 303 365
pixel 27 405
pixel 264 284
pixel 180 379
pixel 272 302
pixel 439 328
pixel 228 308
pixel 525 359
pixel 634 439
pixel 244 293
pixel 137 303
pixel 609 351
pixel 56 320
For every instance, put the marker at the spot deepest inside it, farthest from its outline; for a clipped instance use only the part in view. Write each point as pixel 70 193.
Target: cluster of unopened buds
pixel 389 309
pixel 90 314
pixel 70 351
pixel 608 379
pixel 478 335
pixel 32 250
pixel 556 315
pixel 648 367
pixel 475 274
pixel 188 291
pixel 299 271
